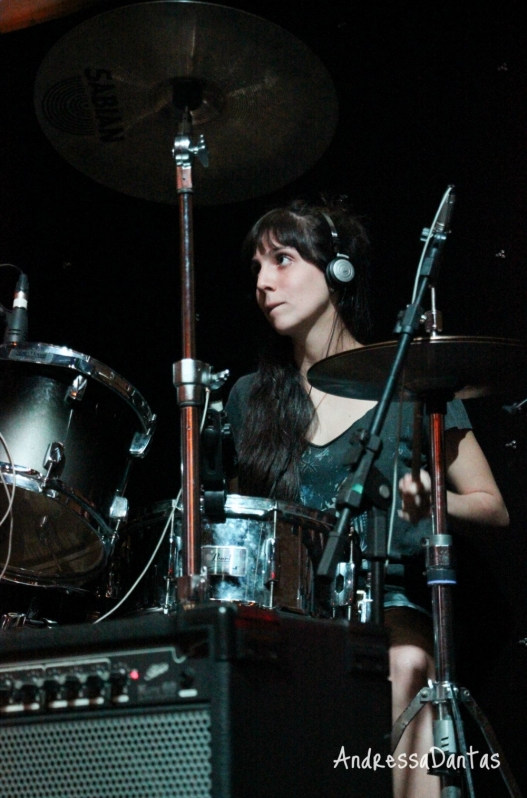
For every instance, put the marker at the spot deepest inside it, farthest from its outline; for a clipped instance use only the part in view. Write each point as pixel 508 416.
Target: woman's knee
pixel 410 667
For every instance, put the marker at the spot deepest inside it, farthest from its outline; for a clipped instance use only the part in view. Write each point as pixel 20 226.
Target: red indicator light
pixel 134 674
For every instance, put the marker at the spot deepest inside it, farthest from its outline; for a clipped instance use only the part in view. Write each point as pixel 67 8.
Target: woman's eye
pixel 283 259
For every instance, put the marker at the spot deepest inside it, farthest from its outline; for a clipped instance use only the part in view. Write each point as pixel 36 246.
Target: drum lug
pixel 76 391
pixel 15 620
pixel 140 443
pixel 270 559
pixel 119 508
pixel 12 620
pixel 54 460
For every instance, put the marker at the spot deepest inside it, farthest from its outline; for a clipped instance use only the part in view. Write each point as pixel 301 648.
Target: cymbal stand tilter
pixel 191 377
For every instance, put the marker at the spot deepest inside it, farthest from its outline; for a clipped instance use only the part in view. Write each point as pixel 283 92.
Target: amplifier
pixel 212 702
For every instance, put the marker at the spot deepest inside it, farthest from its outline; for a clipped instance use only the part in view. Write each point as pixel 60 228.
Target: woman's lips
pixel 269 308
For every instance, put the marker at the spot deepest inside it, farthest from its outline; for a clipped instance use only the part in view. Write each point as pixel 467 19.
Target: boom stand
pixel 444 694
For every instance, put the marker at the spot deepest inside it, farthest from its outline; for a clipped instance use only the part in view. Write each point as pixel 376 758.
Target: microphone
pixel 16 328
pixel 442 226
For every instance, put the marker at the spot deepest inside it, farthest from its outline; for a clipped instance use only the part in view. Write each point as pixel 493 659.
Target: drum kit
pixel 121 97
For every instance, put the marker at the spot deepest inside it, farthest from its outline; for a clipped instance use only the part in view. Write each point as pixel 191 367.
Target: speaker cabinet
pixel 216 702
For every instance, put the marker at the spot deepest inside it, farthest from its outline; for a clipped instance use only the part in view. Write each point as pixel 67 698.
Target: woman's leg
pixel 411 665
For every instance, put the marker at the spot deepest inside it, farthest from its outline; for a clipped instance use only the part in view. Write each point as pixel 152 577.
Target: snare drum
pixel 262 554
pixel 67 501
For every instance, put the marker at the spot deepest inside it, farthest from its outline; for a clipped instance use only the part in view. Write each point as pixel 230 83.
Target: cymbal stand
pixel 443 693
pixel 190 376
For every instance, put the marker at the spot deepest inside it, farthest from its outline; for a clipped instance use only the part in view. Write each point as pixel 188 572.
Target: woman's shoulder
pixel 242 388
pixel 236 406
pixel 244 384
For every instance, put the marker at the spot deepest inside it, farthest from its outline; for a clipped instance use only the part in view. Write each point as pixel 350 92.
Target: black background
pixel 430 94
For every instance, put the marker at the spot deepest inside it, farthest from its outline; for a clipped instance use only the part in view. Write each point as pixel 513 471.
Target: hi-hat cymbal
pixel 104 98
pixel 19 14
pixel 464 366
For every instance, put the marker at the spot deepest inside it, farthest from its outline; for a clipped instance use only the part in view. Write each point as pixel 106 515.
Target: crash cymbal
pixel 104 98
pixel 17 14
pixel 464 366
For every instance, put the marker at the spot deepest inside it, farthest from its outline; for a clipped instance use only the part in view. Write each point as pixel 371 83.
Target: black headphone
pixel 339 271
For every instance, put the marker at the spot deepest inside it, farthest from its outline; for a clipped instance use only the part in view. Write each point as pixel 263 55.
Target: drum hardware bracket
pixel 184 152
pixel 187 96
pixel 344 586
pixel 191 377
pixel 212 466
pixel 119 508
pixel 16 620
pixel 364 606
pixel 75 393
pixel 140 443
pixel 54 461
pixel 433 319
pixel 193 588
pixel 271 566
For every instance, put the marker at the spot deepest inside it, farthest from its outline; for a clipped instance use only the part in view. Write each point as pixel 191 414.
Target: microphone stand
pixel 443 694
pixel 359 482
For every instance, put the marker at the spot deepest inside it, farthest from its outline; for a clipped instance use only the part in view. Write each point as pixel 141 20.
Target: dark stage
pixel 428 95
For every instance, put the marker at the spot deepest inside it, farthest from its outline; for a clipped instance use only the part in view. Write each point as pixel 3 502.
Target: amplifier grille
pixel 155 755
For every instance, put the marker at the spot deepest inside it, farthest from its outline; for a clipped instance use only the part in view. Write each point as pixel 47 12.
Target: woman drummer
pixel 293 440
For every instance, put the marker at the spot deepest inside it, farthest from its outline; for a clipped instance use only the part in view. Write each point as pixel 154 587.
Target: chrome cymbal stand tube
pixel 191 377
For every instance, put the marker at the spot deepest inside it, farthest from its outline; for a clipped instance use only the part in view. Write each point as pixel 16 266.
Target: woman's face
pixel 291 292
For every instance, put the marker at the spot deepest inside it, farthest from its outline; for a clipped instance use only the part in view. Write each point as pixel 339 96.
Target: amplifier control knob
pixel 30 697
pixel 119 686
pixel 96 691
pixel 55 693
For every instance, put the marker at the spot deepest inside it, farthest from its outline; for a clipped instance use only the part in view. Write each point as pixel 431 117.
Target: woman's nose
pixel 265 280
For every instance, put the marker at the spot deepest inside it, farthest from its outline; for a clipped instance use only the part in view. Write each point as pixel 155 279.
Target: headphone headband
pixel 334 235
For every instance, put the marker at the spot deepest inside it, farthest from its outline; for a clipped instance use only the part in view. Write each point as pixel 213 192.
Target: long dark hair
pixel 279 411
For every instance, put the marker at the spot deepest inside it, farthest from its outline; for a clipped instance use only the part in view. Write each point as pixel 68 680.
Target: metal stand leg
pixel 449 738
pixel 444 694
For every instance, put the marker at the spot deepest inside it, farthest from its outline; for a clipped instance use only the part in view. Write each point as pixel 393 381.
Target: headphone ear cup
pixel 339 272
